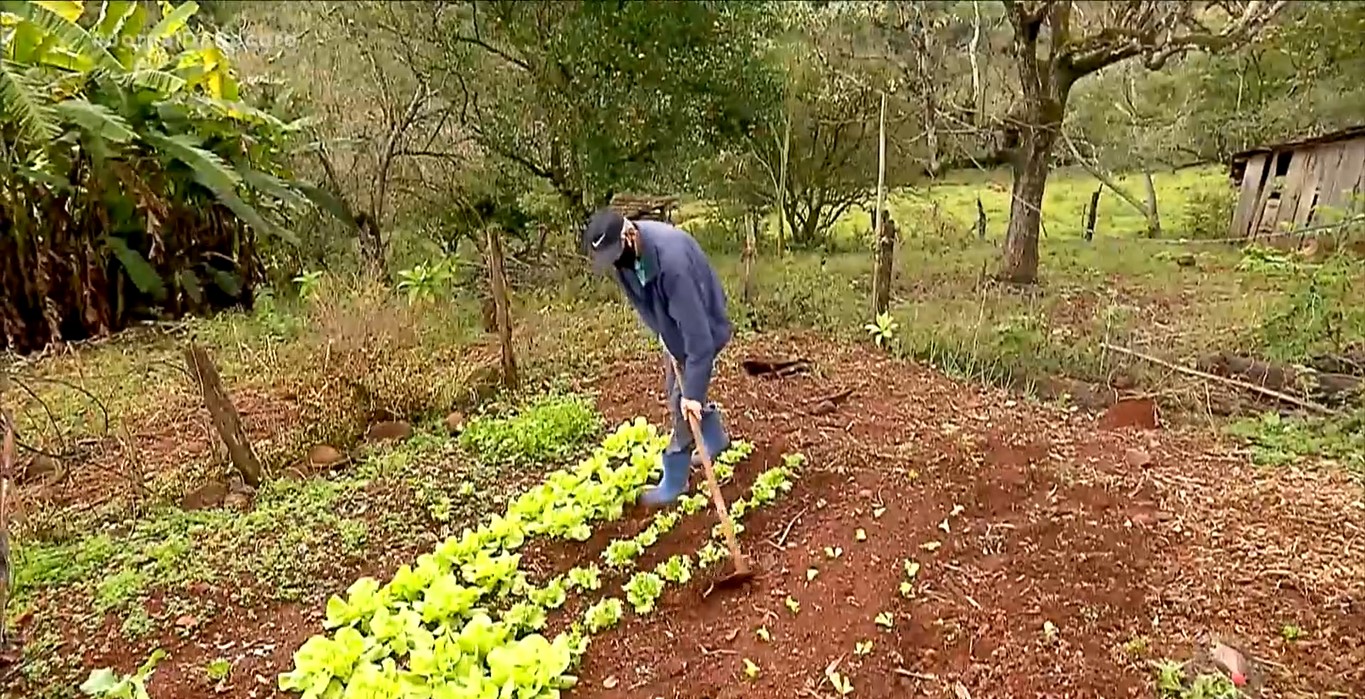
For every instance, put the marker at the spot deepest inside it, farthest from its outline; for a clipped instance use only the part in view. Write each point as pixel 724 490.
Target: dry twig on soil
pixel 1302 403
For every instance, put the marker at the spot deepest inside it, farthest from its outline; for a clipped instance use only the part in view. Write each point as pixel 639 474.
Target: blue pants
pixel 712 429
pixel 677 456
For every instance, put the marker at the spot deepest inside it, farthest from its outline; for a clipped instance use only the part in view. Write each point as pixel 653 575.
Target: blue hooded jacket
pixel 679 296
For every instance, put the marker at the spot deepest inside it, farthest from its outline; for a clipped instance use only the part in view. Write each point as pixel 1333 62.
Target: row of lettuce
pixel 465 621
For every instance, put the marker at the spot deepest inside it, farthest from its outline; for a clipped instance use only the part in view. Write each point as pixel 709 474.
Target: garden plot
pixel 950 540
pixel 933 539
pixel 467 620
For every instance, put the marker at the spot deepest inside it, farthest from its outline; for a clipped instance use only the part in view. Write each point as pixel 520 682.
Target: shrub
pixel 1208 213
pixel 548 430
pixel 1319 317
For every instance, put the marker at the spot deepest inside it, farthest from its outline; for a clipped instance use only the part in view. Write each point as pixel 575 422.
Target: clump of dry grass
pixel 364 359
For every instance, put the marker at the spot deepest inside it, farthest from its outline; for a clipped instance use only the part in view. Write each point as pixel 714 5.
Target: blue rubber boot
pixel 713 435
pixel 674 482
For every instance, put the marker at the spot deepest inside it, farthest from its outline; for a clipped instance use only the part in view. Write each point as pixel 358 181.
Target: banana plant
pixel 108 114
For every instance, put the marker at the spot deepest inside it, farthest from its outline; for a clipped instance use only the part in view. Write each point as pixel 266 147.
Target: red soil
pixel 1054 526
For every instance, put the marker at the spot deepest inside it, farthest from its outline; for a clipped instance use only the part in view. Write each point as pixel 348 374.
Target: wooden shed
pixel 645 206
pixel 1289 185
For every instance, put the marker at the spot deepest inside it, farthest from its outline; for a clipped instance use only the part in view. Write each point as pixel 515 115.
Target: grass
pixel 355 352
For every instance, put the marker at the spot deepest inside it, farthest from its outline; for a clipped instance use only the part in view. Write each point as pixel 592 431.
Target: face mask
pixel 627 258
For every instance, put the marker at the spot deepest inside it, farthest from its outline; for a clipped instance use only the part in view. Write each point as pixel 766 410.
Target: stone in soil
pixel 1139 413
pixel 325 456
pixel 206 496
pixel 396 430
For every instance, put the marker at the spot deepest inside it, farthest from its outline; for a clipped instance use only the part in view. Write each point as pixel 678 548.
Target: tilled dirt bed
pixel 1059 555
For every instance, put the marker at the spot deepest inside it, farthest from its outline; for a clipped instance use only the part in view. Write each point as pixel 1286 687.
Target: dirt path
pixel 1020 515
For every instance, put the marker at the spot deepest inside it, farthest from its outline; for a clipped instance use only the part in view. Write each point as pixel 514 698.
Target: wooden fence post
pixel 497 278
pixel 750 250
pixel 1091 212
pixel 224 414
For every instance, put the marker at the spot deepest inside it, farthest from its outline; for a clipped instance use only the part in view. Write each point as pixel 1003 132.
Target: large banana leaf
pixel 265 182
pixel 161 82
pixel 210 171
pixel 69 10
pixel 97 120
pixel 124 35
pixel 24 43
pixel 173 22
pixel 239 111
pixel 187 281
pixel 140 272
pixel 70 35
pixel 327 201
pixel 23 105
pixel 113 14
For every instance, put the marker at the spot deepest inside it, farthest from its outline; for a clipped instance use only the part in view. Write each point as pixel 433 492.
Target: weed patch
pixel 548 430
pixel 1276 441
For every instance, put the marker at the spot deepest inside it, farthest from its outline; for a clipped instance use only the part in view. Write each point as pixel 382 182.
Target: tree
pixel 1058 42
pixel 133 178
pixel 832 147
pixel 815 157
pixel 384 139
pixel 595 97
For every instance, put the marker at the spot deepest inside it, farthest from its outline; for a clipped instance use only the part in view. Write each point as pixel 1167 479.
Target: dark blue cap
pixel 602 239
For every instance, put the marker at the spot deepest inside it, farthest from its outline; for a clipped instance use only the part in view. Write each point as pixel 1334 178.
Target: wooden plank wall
pixel 1261 218
pixel 1300 163
pixel 1347 182
pixel 1328 175
pixel 1320 159
pixel 1247 209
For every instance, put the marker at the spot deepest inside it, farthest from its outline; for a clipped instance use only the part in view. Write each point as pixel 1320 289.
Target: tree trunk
pixel 1031 167
pixel 6 479
pixel 980 220
pixel 371 244
pixel 782 187
pixel 883 228
pixel 497 279
pixel 225 417
pixel 978 95
pixel 886 255
pixel 1153 216
pixel 1091 212
pixel 927 92
pixel 750 245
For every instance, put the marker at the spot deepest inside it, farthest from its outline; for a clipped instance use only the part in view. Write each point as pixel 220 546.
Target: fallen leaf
pixel 961 691
pixel 610 682
pixel 944 526
pixel 186 621
pixel 931 545
pixel 877 513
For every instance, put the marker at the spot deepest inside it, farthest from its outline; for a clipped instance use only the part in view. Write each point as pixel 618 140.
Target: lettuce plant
pixel 643 590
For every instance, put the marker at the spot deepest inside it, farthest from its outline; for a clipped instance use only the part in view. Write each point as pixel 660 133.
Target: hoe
pixel 742 572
